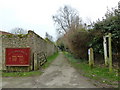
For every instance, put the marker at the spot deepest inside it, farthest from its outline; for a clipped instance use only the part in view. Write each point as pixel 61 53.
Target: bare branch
pixel 66 19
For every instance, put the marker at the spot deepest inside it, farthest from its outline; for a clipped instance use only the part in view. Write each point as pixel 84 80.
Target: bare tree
pixel 66 18
pixel 18 30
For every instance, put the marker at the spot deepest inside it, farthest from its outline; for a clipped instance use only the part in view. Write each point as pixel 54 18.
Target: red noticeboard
pixel 17 56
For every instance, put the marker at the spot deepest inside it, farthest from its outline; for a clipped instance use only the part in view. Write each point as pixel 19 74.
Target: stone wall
pixel 51 48
pixel 31 40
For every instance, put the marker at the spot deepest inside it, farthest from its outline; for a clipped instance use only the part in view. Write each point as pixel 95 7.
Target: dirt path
pixel 59 75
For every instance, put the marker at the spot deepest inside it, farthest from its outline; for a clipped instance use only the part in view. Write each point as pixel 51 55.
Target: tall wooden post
pixel 35 61
pixel 110 53
pixel 105 51
pixel 91 57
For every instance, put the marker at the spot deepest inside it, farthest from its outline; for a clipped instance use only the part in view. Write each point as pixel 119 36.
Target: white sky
pixel 37 14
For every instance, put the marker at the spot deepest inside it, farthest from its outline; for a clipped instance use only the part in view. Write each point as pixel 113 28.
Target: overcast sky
pixel 37 14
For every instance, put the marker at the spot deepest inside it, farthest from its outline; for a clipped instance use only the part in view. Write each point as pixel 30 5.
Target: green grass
pixel 31 73
pixel 100 74
pixel 21 74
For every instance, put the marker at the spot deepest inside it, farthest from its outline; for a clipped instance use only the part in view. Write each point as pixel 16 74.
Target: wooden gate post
pixel 108 60
pixel 35 61
pixel 91 57
pixel 110 53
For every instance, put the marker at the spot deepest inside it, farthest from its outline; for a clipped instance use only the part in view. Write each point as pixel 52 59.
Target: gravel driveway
pixel 58 75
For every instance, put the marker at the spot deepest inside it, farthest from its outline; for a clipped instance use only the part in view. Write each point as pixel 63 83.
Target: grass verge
pixel 31 73
pixel 21 74
pixel 100 74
